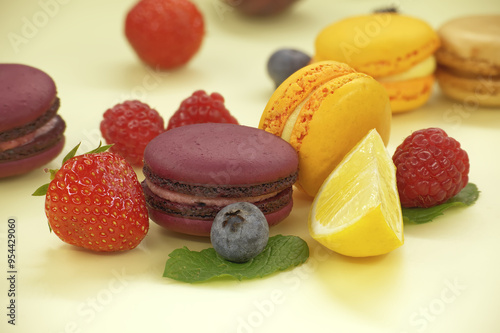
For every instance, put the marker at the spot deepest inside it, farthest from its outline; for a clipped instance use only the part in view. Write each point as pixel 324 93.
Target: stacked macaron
pixel 192 172
pixel 395 49
pixel 469 59
pixel 323 110
pixel 31 132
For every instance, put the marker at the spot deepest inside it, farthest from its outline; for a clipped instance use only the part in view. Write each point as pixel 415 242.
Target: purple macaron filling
pixel 200 210
pixel 37 141
pixel 221 190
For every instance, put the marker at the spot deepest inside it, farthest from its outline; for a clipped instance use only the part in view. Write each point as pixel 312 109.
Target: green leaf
pixel 466 197
pixel 71 154
pixel 42 190
pixel 99 149
pixel 281 253
pixel 52 173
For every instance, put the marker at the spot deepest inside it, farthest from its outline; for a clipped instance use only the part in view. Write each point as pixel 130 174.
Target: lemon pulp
pixel 357 210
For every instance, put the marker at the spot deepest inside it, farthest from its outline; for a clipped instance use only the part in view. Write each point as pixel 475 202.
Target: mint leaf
pixel 466 197
pixel 281 252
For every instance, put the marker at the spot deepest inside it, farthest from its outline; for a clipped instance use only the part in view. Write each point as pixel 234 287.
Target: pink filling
pixel 28 137
pixel 192 199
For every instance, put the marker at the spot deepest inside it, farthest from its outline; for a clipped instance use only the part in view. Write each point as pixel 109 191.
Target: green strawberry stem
pixel 42 190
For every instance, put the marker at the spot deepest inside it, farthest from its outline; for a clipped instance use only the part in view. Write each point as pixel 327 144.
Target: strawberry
pixel 95 201
pixel 165 34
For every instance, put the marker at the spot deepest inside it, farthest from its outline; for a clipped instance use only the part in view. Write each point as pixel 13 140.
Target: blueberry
pixel 284 63
pixel 239 232
pixel 390 9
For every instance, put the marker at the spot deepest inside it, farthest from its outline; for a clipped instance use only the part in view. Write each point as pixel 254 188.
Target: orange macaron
pixel 397 50
pixel 323 110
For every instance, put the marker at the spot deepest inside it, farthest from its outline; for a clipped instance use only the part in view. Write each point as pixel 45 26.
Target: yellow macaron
pixel 323 110
pixel 397 50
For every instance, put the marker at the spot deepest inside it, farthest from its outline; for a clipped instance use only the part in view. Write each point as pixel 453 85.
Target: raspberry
pixel 165 33
pixel 130 126
pixel 431 168
pixel 201 108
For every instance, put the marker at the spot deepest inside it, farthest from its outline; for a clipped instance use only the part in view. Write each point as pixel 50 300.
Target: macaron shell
pixel 338 115
pixel 378 44
pixel 18 167
pixel 202 227
pixel 220 154
pixel 295 90
pixel 26 94
pixel 410 94
pixel 471 90
pixel 471 44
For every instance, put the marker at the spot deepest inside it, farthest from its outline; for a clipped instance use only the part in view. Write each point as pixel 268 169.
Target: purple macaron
pixel 31 132
pixel 192 172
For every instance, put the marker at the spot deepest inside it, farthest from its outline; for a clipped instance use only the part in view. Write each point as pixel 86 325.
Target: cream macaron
pixel 469 59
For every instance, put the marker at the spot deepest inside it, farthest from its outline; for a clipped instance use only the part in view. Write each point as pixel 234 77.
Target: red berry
pixel 431 168
pixel 130 126
pixel 201 108
pixel 95 201
pixel 165 33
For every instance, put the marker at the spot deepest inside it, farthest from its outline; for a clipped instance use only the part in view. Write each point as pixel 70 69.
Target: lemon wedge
pixel 357 210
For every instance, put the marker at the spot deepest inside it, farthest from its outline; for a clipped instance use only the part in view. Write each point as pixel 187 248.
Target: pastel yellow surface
pixel 377 44
pixel 357 211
